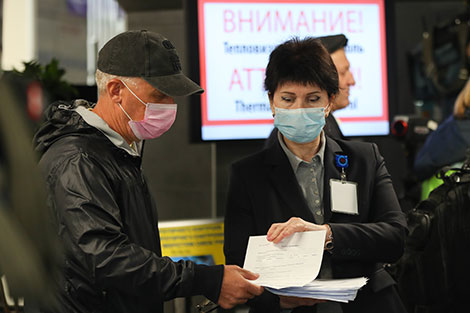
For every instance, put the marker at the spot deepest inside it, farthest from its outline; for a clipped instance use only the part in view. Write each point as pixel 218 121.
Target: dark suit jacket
pixel 331 129
pixel 264 190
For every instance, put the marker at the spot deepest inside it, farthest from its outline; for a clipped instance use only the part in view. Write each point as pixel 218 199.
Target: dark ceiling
pixel 144 5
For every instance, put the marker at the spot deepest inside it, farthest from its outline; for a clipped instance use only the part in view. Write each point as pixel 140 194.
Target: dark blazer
pixel 331 129
pixel 264 190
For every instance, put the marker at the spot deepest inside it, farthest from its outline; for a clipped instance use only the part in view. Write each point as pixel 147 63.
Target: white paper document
pixel 293 262
pixel 339 290
pixel 290 267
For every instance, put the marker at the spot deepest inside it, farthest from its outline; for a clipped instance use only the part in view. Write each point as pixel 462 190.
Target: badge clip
pixel 342 162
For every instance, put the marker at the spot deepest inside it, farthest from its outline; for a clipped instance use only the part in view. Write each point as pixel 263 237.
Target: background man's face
pixel 346 79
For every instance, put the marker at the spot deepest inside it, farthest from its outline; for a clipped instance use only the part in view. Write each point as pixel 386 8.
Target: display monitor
pixel 236 37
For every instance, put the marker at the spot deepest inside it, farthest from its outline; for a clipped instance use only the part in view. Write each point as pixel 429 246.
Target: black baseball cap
pixel 150 56
pixel 334 42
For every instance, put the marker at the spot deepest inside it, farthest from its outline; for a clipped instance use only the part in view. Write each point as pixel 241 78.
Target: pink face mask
pixel 158 118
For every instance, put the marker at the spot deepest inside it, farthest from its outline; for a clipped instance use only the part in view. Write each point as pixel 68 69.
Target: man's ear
pixel 114 90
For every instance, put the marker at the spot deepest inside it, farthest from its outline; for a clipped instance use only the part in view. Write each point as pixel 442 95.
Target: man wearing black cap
pixel 335 45
pixel 106 218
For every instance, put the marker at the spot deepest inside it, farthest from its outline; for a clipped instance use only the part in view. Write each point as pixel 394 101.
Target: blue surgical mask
pixel 300 125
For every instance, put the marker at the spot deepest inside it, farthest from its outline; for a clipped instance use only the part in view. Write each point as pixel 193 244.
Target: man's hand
pixel 236 289
pixel 279 231
pixel 293 302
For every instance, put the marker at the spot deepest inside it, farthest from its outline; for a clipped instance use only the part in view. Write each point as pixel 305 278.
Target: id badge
pixel 343 197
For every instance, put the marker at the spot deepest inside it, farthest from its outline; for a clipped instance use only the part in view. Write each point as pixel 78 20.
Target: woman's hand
pixel 279 231
pixel 293 302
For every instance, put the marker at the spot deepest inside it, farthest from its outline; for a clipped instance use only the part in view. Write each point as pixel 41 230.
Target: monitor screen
pixel 236 37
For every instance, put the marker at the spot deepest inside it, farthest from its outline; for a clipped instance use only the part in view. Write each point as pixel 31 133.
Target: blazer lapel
pixel 331 172
pixel 284 180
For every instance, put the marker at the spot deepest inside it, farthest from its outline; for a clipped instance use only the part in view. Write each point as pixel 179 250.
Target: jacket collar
pixel 284 180
pixel 97 122
pixel 331 172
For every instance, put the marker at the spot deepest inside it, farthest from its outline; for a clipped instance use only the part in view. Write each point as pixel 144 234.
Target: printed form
pixel 293 262
pixel 290 267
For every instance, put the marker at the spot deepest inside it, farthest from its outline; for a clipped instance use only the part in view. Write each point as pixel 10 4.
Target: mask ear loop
pixel 328 107
pixel 330 103
pixel 125 85
pixel 133 93
pixel 124 111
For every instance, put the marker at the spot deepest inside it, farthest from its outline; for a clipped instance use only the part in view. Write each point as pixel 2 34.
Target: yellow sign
pixel 200 241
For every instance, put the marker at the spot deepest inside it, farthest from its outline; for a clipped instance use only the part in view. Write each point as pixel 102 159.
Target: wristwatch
pixel 329 239
pixel 466 113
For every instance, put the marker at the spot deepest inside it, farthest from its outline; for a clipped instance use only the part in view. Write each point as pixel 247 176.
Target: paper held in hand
pixel 291 266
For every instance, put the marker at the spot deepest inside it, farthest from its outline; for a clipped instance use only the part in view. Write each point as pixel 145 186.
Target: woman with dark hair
pixel 295 185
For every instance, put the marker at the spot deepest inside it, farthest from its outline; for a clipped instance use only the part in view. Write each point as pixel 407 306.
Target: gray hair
pixel 103 78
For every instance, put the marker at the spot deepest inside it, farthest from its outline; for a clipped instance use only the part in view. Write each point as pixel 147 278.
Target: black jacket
pixel 332 129
pixel 264 190
pixel 107 221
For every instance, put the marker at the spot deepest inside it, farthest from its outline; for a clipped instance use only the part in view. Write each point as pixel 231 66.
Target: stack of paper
pixel 291 266
pixel 340 290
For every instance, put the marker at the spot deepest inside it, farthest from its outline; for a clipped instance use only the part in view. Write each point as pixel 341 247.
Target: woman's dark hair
pixel 304 61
